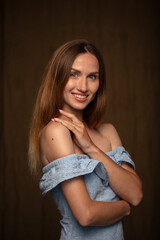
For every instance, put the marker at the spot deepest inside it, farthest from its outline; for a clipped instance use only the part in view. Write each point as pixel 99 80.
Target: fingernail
pixel 52 120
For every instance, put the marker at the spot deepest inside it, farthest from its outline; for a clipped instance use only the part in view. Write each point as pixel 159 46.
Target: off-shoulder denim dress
pixel 96 179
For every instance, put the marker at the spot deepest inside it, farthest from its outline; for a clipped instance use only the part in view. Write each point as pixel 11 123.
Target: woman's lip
pixel 80 94
pixel 80 97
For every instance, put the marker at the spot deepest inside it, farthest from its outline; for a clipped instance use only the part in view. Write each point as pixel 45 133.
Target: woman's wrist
pixel 92 150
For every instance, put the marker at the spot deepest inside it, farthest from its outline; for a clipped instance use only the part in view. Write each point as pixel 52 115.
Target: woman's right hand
pixel 79 130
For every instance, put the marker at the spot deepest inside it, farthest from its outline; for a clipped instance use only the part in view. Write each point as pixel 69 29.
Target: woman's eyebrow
pixel 80 71
pixel 94 73
pixel 76 70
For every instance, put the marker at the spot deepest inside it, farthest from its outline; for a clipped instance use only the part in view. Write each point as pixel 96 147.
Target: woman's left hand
pixel 79 130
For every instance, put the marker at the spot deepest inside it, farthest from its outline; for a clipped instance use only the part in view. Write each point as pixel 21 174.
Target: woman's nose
pixel 83 85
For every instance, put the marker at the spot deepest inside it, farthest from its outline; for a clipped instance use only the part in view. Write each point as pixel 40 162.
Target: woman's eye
pixel 92 76
pixel 73 74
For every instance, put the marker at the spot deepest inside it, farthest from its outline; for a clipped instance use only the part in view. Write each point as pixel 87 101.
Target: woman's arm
pixel 56 142
pixel 123 179
pixel 88 212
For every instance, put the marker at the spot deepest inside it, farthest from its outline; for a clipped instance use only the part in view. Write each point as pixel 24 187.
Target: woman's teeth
pixel 80 96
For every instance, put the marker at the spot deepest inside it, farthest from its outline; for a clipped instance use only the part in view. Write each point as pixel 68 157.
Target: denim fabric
pixel 96 179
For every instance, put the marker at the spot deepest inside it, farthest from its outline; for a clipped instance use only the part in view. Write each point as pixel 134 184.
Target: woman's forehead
pixel 86 61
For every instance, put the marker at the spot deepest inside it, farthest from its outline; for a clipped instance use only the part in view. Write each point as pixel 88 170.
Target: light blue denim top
pixel 96 179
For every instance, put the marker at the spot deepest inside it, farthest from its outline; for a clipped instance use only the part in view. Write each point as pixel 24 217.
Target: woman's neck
pixel 77 113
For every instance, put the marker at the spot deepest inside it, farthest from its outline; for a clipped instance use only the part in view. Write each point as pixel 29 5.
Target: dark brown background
pixel 127 33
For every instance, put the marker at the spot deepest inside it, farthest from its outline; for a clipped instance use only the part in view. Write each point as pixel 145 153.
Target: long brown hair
pixel 49 99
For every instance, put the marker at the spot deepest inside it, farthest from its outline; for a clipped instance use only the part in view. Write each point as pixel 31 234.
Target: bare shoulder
pixel 53 129
pixel 110 132
pixel 55 142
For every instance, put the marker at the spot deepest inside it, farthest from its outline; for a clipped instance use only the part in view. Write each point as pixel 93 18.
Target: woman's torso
pixel 97 191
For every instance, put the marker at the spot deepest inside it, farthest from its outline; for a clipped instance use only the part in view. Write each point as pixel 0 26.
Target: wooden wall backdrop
pixel 127 33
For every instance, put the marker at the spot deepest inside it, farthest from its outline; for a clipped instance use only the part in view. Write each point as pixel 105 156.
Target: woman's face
pixel 83 82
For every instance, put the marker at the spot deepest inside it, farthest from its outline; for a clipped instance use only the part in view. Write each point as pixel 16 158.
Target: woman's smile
pixel 80 97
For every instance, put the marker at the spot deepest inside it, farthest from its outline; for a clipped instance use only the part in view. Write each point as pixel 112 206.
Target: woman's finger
pixel 70 125
pixel 69 115
pixel 79 131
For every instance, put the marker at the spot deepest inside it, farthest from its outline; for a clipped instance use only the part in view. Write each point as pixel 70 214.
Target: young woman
pixel 89 173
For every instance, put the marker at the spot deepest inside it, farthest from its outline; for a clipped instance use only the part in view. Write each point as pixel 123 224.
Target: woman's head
pixel 57 74
pixel 83 83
